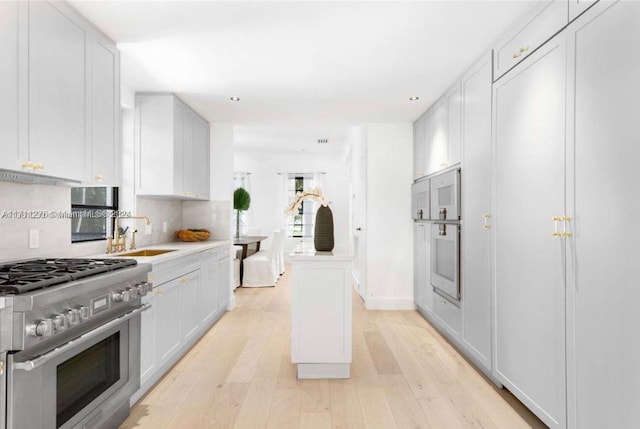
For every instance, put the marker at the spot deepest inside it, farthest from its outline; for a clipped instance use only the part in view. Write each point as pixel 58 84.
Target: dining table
pixel 245 242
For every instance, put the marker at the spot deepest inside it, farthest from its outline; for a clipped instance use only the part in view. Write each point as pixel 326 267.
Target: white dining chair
pixel 236 265
pixel 261 268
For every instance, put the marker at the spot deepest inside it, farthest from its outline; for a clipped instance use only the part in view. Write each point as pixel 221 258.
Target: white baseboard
pixel 374 303
pixel 232 302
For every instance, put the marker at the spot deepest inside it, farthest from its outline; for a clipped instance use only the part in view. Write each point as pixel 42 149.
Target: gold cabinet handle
pixel 27 165
pixel 444 164
pixel 158 293
pixel 517 55
pixel 555 220
pixel 524 49
pixel 185 280
pixel 485 218
pixel 99 178
pixel 38 166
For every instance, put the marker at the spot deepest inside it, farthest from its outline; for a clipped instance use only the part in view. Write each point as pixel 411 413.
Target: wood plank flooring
pixel 404 375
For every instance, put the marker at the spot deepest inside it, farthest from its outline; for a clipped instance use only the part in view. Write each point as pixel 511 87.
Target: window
pixel 92 211
pixel 300 224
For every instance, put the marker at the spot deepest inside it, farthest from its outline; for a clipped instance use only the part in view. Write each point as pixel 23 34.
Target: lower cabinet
pixel 422 253
pixel 189 296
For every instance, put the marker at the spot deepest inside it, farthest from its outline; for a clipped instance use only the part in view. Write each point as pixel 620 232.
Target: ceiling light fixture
pixel 235 98
pixel 414 98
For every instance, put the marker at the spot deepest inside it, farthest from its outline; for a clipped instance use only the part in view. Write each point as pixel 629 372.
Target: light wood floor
pixel 404 375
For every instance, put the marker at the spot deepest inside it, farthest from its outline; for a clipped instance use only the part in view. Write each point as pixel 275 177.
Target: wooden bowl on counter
pixel 193 235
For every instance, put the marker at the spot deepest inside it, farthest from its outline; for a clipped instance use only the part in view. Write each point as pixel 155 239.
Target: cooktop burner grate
pixel 25 276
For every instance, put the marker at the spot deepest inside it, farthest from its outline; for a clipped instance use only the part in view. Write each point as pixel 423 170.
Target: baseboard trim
pixel 373 303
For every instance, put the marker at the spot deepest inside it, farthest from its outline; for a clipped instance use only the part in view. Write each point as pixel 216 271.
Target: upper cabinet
pixel 539 24
pixel 419 147
pixel 172 149
pixel 9 75
pixel 60 94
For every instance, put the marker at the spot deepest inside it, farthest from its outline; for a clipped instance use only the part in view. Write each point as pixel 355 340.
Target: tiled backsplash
pixel 18 200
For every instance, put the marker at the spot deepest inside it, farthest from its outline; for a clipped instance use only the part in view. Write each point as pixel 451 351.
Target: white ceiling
pixel 301 140
pixel 300 61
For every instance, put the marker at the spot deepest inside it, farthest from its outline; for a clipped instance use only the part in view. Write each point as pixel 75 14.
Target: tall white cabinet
pixel 423 291
pixel 476 211
pixel 529 150
pixel 9 84
pixel 603 199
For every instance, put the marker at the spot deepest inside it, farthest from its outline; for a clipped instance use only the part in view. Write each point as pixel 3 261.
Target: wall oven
pixel 420 200
pixel 445 259
pixel 445 196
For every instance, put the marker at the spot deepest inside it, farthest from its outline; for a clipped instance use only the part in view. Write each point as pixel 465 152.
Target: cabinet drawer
pixel 544 20
pixel 448 313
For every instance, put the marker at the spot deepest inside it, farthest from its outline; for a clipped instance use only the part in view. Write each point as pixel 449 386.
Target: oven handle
pixel 33 364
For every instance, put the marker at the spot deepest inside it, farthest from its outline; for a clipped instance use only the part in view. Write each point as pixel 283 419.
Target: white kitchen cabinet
pixel 57 91
pixel 476 211
pixel 208 301
pixel 148 338
pixel 189 300
pixel 165 148
pixel 603 200
pixel 454 124
pixel 223 271
pixel 437 150
pixel 448 314
pixel 105 113
pixel 9 76
pixel 201 154
pixel 529 150
pixel 168 323
pixel 423 292
pixel 544 19
pixel 419 142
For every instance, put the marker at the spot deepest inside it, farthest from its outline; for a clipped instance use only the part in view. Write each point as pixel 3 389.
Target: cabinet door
pixel 147 339
pixel 208 300
pixel 57 114
pixel 167 321
pixel 422 262
pixel 418 148
pixel 437 155
pixel 476 211
pixel 188 150
pixel 529 115
pixel 604 200
pixel 201 158
pixel 179 126
pixel 9 73
pixel 454 123
pixel 105 114
pixel 189 285
pixel 224 281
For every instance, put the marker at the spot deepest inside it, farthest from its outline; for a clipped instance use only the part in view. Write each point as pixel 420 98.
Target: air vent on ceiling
pixel 323 141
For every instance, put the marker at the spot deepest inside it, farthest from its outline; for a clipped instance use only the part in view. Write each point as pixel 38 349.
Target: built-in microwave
pixel 420 200
pixel 445 196
pixel 445 259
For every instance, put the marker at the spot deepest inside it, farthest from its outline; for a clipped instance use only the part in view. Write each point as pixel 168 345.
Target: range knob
pixel 143 288
pixel 134 292
pixel 84 312
pixel 122 296
pixel 43 328
pixel 60 322
pixel 73 316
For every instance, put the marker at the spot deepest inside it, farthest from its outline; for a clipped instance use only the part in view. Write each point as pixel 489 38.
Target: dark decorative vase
pixel 323 234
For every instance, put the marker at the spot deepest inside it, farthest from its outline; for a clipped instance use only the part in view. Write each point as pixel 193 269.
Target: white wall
pixel 389 226
pixel 267 211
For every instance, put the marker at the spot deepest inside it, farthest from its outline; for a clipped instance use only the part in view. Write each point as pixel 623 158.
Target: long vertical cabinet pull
pixel 485 221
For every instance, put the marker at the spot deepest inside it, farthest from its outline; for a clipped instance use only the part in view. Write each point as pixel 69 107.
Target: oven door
pixel 81 383
pixel 445 259
pixel 445 196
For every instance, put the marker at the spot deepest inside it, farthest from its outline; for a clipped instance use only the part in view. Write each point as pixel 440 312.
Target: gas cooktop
pixel 25 276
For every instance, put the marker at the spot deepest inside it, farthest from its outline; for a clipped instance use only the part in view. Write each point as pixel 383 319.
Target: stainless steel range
pixel 70 341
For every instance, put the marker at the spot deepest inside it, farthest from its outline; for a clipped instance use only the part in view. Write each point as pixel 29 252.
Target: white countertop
pixel 313 256
pixel 181 249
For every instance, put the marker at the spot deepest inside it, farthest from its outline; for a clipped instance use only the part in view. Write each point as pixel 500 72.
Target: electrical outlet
pixel 34 238
pixel 165 226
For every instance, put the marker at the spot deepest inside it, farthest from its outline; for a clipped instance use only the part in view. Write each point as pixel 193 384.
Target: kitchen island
pixel 321 312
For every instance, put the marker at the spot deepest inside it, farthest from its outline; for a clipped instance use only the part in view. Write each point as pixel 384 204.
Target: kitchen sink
pixel 151 252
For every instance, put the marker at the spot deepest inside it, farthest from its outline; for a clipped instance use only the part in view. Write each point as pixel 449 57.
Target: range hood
pixel 34 178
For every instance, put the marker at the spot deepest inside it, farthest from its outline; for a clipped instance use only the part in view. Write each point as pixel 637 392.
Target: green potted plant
pixel 241 202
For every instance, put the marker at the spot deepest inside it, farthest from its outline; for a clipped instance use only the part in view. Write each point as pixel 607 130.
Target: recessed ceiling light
pixel 235 98
pixel 414 98
pixel 304 150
